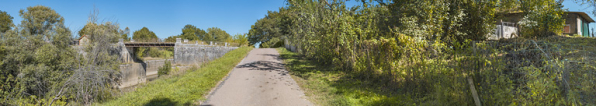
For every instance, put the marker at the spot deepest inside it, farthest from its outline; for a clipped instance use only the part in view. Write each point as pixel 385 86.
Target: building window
pixel 566 29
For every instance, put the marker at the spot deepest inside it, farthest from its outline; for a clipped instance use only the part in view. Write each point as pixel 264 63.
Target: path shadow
pixel 161 102
pixel 265 66
pixel 275 56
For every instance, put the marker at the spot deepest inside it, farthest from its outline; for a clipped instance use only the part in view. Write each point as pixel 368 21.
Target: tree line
pixel 192 33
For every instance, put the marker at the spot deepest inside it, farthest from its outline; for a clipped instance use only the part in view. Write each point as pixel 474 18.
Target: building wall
pixel 572 20
pixel 83 41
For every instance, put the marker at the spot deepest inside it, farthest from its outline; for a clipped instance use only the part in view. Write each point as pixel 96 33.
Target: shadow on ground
pixel 265 66
pixel 164 102
pixel 275 56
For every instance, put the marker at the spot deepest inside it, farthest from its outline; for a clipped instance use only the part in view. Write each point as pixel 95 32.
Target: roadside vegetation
pixel 500 76
pixel 433 52
pixel 39 65
pixel 185 89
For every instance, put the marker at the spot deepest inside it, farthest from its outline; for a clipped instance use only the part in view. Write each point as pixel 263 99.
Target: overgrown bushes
pixel 165 69
pixel 40 66
pixel 426 50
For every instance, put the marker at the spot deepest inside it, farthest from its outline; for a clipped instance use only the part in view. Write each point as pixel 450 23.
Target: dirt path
pixel 259 80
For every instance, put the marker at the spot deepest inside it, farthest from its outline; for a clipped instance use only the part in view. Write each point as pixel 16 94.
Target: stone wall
pixel 190 54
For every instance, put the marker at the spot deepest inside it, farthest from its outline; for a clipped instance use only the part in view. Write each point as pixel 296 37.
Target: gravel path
pixel 259 80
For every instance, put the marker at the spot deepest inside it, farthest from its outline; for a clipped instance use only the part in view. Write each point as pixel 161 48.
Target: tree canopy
pixel 216 34
pixel 5 21
pixel 274 25
pixel 144 34
pixel 40 19
pixel 191 32
pixel 37 56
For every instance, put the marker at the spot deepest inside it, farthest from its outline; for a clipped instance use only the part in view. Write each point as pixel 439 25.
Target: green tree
pixel 91 29
pixel 5 21
pixel 40 19
pixel 171 38
pixel 542 18
pixel 191 32
pixel 216 34
pixel 41 58
pixel 86 29
pixel 274 25
pixel 241 39
pixel 144 34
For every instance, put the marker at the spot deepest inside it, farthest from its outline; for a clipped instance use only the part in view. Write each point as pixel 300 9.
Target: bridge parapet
pixel 196 53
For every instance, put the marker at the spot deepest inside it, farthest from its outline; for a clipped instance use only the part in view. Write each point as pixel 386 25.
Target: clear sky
pixel 164 17
pixel 168 17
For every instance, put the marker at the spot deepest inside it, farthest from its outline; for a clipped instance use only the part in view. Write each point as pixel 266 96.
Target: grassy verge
pixel 328 86
pixel 507 72
pixel 185 89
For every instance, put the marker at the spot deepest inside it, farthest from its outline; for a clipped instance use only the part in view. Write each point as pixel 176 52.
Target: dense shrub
pixel 165 69
pixel 427 50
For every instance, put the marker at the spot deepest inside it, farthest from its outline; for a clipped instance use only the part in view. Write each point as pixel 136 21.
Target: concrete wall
pixel 126 53
pixel 190 54
pixel 153 66
pixel 135 73
pixel 184 54
pixel 132 74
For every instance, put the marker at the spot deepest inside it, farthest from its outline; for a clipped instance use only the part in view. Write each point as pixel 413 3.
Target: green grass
pixel 185 89
pixel 328 86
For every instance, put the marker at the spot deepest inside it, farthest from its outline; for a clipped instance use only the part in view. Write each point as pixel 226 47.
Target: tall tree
pixel 144 34
pixel 265 29
pixel 40 57
pixel 216 34
pixel 190 32
pixel 86 30
pixel 40 19
pixel 5 21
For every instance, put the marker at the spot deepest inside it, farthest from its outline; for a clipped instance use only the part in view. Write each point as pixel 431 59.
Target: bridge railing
pixel 149 40
pixel 185 41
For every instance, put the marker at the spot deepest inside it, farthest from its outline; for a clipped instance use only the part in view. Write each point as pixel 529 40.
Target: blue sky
pixel 168 17
pixel 164 17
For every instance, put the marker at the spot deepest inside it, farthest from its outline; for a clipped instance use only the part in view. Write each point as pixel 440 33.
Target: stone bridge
pixel 185 53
